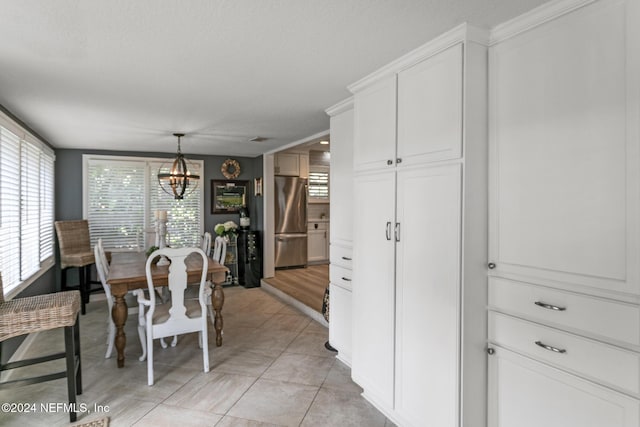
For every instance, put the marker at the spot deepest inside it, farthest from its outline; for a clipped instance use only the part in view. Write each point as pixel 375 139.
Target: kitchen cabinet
pixel 291 164
pixel 527 393
pixel 565 185
pixel 318 242
pixel 564 288
pixel 375 125
pixel 430 109
pixel 419 243
pixel 341 228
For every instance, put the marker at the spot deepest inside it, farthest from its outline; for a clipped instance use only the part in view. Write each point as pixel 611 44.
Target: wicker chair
pixel 22 316
pixel 76 251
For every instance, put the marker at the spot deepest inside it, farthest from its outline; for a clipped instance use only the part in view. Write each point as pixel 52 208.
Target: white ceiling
pixel 126 74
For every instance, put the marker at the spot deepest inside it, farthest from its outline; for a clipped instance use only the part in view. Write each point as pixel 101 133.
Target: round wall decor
pixel 230 169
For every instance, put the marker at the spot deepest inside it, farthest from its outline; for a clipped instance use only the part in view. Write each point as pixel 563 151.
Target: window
pixel 121 196
pixel 26 207
pixel 319 184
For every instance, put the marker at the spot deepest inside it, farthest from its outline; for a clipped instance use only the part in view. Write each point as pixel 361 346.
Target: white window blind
pixel 30 209
pixel 47 213
pixel 116 191
pixel 9 209
pixel 184 216
pixel 122 195
pixel 26 206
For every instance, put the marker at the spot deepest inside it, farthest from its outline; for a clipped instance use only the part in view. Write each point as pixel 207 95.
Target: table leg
pixel 119 316
pixel 217 301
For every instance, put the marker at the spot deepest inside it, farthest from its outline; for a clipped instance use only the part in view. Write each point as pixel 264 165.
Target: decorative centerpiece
pixel 226 230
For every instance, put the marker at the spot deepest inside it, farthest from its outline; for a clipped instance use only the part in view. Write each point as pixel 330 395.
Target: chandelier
pixel 178 179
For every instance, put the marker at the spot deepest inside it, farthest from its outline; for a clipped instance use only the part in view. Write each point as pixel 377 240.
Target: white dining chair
pixel 181 315
pixel 206 243
pixel 102 267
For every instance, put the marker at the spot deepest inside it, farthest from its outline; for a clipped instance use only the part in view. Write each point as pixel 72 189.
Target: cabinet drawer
pixel 340 276
pixel 311 226
pixel 341 256
pixel 594 360
pixel 580 313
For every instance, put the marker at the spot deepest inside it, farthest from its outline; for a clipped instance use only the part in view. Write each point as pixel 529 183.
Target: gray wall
pixel 68 187
pixel 68 184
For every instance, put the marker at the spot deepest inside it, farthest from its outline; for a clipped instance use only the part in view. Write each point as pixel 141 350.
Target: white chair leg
pixel 205 344
pixel 149 359
pixel 200 339
pixel 143 342
pixel 111 337
pixel 174 341
pixel 142 326
pixel 163 344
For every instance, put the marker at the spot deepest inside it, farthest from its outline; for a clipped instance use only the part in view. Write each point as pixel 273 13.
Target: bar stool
pixel 76 251
pixel 22 316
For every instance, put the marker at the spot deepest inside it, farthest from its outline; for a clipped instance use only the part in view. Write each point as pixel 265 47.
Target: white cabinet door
pixel 428 295
pixel 340 322
pixel 525 393
pixel 317 245
pixel 430 109
pixel 287 164
pixel 341 178
pixel 564 143
pixel 373 286
pixel 375 126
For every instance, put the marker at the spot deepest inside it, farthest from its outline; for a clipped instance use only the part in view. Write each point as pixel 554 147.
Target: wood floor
pixel 306 285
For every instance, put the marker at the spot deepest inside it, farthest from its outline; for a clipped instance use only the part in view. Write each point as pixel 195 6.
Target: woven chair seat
pixel 38 313
pixel 77 259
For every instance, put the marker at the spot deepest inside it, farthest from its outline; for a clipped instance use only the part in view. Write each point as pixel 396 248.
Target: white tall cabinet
pixel 564 285
pixel 341 228
pixel 420 239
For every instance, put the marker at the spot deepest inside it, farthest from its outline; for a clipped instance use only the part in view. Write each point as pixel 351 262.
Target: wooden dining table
pixel 127 272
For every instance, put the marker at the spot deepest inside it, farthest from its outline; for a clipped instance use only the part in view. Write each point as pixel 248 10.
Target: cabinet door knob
pixel 346 258
pixel 490 350
pixel 346 279
pixel 398 160
pixel 397 231
pixel 491 266
pixel 388 233
pixel 389 162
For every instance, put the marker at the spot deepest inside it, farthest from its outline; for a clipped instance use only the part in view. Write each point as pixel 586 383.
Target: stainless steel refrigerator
pixel 290 221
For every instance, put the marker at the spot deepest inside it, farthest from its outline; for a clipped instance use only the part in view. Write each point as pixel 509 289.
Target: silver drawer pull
pixel 346 279
pixel 549 306
pixel 550 348
pixel 346 258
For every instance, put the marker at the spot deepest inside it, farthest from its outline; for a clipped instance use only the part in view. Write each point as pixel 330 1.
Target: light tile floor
pixel 272 370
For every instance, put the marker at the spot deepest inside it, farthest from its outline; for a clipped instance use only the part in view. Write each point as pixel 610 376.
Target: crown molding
pixel 533 18
pixel 340 107
pixel 462 33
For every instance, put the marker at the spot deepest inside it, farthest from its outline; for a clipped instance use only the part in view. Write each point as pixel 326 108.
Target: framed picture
pixel 228 196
